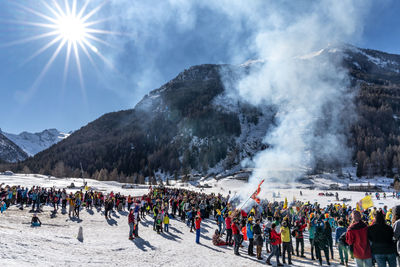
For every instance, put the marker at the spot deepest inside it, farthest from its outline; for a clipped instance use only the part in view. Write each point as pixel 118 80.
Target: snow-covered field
pixel 106 242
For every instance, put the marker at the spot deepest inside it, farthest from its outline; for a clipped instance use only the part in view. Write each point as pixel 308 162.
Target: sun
pixel 67 26
pixel 71 28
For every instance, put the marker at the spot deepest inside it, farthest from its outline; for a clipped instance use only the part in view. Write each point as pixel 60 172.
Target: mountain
pixel 10 152
pixel 33 143
pixel 192 124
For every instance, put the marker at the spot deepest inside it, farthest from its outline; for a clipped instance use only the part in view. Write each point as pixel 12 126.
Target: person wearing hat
pixel 249 232
pixel 357 238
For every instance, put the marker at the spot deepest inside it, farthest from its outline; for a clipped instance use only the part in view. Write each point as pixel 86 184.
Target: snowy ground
pixel 106 242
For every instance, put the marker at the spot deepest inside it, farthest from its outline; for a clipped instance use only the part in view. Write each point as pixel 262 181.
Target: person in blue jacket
pixel 250 235
pixel 340 238
pixel 35 221
pixel 3 206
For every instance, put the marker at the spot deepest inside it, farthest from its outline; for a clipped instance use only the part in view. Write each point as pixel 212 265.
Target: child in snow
pixel 3 206
pixel 166 222
pixel 35 221
pixel 131 222
pixel 198 222
pixel 159 220
pixel 217 241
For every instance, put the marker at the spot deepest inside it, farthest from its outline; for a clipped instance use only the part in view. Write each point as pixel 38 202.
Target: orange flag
pixel 255 194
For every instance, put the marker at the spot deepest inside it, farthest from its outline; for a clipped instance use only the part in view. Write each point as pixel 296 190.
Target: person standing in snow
pixel 228 222
pixel 299 229
pixel 340 237
pixel 396 229
pixel 166 222
pixel 131 222
pixel 198 222
pixel 286 247
pixel 159 220
pixel 236 237
pixel 249 232
pixel 357 237
pixel 258 240
pixel 382 246
pixel 275 242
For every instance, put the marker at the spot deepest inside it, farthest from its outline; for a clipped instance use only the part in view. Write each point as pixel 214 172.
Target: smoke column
pixel 301 77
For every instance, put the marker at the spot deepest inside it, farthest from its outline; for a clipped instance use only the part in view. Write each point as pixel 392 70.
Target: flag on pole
pixel 255 194
pixel 285 204
pixel 367 202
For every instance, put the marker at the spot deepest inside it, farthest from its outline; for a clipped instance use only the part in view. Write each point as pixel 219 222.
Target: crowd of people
pixel 369 236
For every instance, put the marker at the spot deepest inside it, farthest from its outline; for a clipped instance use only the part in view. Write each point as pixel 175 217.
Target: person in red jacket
pixel 197 225
pixel 275 242
pixel 357 238
pixel 236 236
pixel 228 222
pixel 131 222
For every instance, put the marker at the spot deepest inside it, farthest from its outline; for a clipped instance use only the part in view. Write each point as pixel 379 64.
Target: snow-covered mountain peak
pixel 33 143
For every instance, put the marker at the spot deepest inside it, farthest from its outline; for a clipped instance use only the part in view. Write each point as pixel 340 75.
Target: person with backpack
pixel 275 242
pixel 382 246
pixel 340 238
pixel 357 238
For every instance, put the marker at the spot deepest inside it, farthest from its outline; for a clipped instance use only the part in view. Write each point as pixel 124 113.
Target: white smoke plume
pixel 301 77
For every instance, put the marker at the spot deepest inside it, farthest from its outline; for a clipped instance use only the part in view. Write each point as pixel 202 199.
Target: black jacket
pixel 381 237
pixel 258 240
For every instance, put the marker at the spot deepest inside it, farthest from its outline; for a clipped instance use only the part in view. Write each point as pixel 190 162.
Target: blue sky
pixel 152 42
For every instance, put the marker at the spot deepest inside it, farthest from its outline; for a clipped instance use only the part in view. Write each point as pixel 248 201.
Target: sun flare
pixel 67 25
pixel 71 28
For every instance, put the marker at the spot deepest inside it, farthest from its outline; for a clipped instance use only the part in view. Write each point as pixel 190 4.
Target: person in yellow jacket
pixel 286 243
pixel 389 216
pixel 166 222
